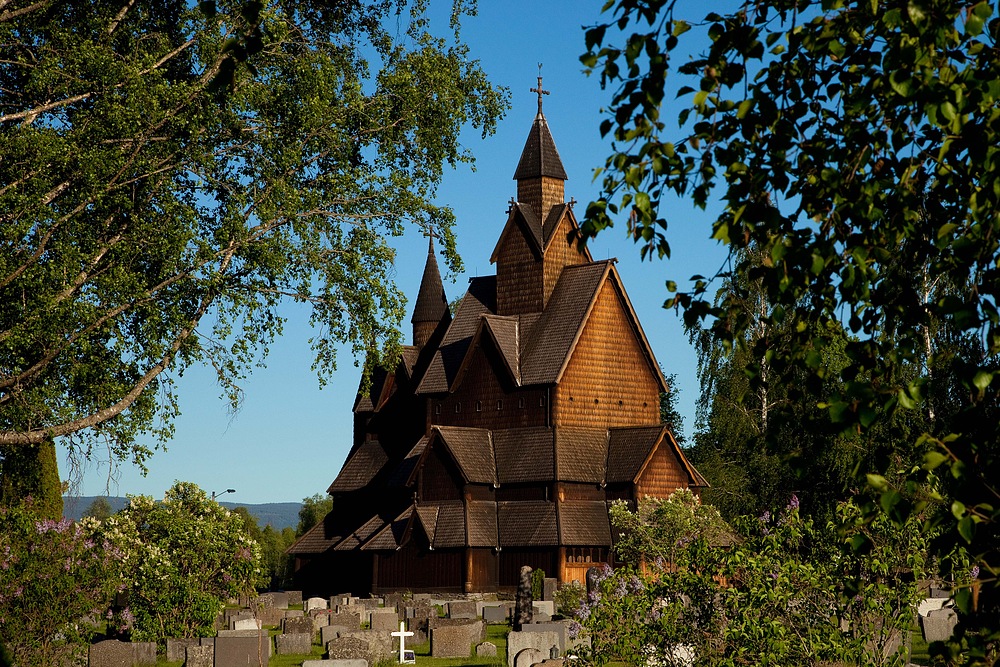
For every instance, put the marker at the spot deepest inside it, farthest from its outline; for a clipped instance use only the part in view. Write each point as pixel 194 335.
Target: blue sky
pixel 290 438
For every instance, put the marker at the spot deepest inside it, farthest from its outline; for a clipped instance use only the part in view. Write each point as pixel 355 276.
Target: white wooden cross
pixel 402 634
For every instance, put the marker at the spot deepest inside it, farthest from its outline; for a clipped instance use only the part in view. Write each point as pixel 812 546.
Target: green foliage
pixel 852 146
pixel 53 574
pixel 182 558
pixel 669 414
pixel 174 171
pixel 537 584
pixel 32 472
pixel 313 510
pixel 569 597
pixel 99 509
pixel 776 596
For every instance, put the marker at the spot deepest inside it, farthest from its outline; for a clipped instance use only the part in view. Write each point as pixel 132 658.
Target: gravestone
pixel 294 597
pixel 370 603
pixel 246 624
pixel 199 656
pixel 240 633
pixel 299 643
pixel 486 649
pixel 242 651
pixel 939 625
pixel 560 628
pixel 385 619
pixel 549 586
pixel 293 613
pixel 380 644
pixel 496 614
pixel 522 610
pixel 348 619
pixel 271 616
pixel 462 609
pixel 547 607
pixel 349 648
pixel 274 599
pixel 113 653
pixel 335 663
pixel 330 632
pixel 298 624
pixel 455 641
pixel 315 603
pixel 320 617
pixel 527 657
pixel 177 647
pixel 540 641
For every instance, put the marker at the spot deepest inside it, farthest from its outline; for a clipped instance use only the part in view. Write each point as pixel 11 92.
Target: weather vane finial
pixel 539 89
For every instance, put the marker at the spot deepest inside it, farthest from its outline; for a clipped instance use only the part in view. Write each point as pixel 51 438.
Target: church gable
pixel 611 378
pixel 519 269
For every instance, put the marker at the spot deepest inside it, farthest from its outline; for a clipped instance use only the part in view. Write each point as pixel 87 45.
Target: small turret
pixel 540 174
pixel 432 303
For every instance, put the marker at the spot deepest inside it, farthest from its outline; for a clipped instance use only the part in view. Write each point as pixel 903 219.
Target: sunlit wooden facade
pixel 507 427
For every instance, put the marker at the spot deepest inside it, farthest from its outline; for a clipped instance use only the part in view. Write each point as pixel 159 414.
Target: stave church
pixel 508 426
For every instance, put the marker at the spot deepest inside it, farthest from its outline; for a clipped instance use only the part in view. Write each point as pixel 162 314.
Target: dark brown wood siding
pixel 416 568
pixel 482 574
pixel 570 491
pixel 608 381
pixel 560 254
pixel 541 193
pixel 439 477
pixel 511 561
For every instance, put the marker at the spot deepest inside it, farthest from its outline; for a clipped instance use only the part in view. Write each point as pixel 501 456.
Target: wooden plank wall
pixel 541 193
pixel 439 478
pixel 663 475
pixel 511 561
pixel 519 275
pixel 560 254
pixel 608 381
pixel 415 568
pixel 484 402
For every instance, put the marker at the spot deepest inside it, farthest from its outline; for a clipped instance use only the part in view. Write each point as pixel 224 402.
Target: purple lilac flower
pixel 974 573
pixel 635 584
pixel 793 504
pixel 765 517
pixel 574 629
pixel 620 588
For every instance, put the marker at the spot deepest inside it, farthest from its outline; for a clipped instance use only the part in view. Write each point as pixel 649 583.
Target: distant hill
pixel 279 515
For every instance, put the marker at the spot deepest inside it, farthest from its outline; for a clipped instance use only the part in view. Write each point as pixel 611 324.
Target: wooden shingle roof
pixel 472 451
pixel 584 522
pixel 360 468
pixel 317 539
pixel 528 523
pixel 356 538
pixel 556 331
pixel 628 450
pixel 402 475
pixel 391 535
pixel 479 300
pixel 450 530
pixel 581 454
pixel 482 523
pixel 539 156
pixel 524 455
pixel 432 302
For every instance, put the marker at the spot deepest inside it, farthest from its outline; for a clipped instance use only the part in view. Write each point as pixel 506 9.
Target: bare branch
pixel 120 16
pixel 13 14
pixel 31 113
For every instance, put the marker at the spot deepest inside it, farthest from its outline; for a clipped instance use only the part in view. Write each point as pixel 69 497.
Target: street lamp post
pixel 216 495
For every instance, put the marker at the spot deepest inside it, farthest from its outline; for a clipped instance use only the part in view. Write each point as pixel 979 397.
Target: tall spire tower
pixel 540 175
pixel 432 303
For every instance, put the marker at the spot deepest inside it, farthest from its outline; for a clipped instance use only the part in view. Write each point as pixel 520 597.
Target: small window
pixel 570 399
pixel 620 403
pixel 596 401
pixel 541 401
pixel 458 408
pixel 437 409
pixel 520 401
pixel 500 405
pixel 479 406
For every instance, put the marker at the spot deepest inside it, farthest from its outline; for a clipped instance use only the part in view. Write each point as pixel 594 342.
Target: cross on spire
pixel 539 89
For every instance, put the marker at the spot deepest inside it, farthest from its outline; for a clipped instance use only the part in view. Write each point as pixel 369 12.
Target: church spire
pixel 539 157
pixel 432 302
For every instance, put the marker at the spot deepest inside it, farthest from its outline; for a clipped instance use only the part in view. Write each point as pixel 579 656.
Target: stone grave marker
pixel 114 653
pixel 462 609
pixel 246 624
pixel 274 599
pixel 349 619
pixel 455 641
pixel 335 663
pixel 549 586
pixel 294 597
pixel 330 632
pixel 315 603
pixel 242 651
pixel 299 643
pixel 176 648
pixel 527 657
pixel 523 608
pixel 486 649
pixel 939 625
pixel 380 644
pixel 320 617
pixel 298 624
pixel 384 619
pixel 199 656
pixel 349 648
pixel 540 641
pixel 547 607
pixel 496 614
pixel 241 633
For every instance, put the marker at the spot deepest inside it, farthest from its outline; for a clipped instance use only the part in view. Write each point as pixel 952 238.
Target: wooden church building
pixel 507 428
